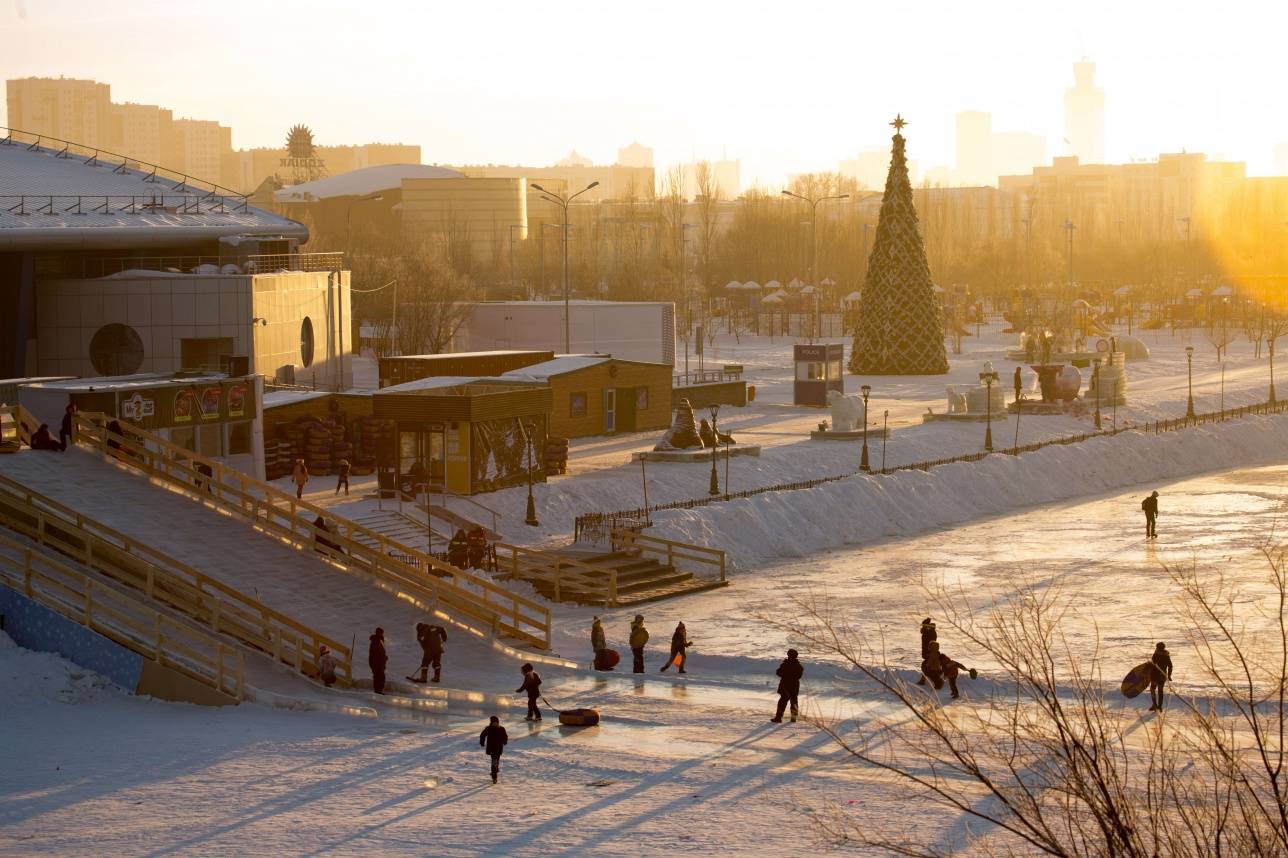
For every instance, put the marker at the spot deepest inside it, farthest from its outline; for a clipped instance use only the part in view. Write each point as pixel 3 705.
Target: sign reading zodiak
pixel 301 155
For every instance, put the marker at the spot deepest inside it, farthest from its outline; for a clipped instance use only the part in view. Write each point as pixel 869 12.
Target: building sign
pixel 301 155
pixel 237 400
pixel 185 405
pixel 137 408
pixel 211 399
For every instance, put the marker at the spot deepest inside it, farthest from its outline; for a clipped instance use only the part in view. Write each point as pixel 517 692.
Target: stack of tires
pixel 556 456
pixel 279 458
pixel 292 435
pixel 341 448
pixel 317 447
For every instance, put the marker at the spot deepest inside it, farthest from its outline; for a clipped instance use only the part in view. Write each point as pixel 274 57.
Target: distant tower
pixel 975 148
pixel 1084 115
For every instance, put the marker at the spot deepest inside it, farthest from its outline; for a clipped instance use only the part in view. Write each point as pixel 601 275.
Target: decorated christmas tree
pixel 901 326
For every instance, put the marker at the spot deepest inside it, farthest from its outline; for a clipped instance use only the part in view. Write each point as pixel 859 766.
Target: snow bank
pixel 862 509
pixel 32 678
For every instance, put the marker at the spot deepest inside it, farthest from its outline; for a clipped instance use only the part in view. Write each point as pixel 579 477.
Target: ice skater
pixel 1150 505
pixel 532 687
pixel 789 686
pixel 493 739
pixel 680 644
pixel 1162 661
pixel 928 636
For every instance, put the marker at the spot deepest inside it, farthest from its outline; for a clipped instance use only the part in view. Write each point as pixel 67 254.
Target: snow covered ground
pixel 680 764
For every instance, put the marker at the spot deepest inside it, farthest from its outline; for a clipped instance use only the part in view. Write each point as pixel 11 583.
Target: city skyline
pixel 737 100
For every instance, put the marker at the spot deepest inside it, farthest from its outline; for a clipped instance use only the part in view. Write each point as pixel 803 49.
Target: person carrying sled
pixel 532 687
pixel 1162 661
pixel 638 640
pixel 431 639
pixel 377 658
pixel 458 550
pixel 493 739
pixel 950 670
pixel 789 686
pixel 1150 506
pixel 928 636
pixel 680 644
pixel 326 666
pixel 476 547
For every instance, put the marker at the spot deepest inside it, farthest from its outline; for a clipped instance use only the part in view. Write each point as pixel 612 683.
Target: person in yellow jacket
pixel 638 640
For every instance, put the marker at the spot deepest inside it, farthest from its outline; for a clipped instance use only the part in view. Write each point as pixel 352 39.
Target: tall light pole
pixel 1095 381
pixel 988 376
pixel 1189 370
pixel 863 459
pixel 1069 228
pixel 885 436
pixel 813 217
pixel 715 475
pixel 562 202
pixel 684 289
pixel 531 518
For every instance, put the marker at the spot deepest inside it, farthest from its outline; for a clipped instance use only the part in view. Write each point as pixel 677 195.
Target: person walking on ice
pixel 299 476
pixel 928 636
pixel 343 478
pixel 950 671
pixel 431 640
pixel 532 687
pixel 789 686
pixel 377 658
pixel 1150 506
pixel 680 644
pixel 638 639
pixel 1162 661
pixel 493 739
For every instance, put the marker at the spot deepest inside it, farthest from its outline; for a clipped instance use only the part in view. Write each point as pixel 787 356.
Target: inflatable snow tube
pixel 579 718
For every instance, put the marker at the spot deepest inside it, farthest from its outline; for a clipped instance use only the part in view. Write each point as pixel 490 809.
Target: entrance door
pixel 610 410
pixel 626 409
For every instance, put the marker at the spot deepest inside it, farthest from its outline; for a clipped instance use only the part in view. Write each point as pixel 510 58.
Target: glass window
pixel 809 371
pixel 834 369
pixel 577 405
pixel 306 342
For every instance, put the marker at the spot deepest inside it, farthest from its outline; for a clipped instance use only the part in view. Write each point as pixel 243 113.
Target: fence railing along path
pixel 472 599
pixel 129 621
pixel 594 527
pixel 157 576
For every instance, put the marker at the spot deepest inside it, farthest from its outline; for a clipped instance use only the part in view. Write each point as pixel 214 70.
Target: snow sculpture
pixel 683 434
pixel 711 439
pixel 956 401
pixel 847 411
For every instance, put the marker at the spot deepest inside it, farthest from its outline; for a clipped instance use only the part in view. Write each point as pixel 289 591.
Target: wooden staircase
pixel 399 527
pixel 642 579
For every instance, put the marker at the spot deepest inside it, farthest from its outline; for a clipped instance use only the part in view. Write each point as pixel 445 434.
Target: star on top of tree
pixel 898 123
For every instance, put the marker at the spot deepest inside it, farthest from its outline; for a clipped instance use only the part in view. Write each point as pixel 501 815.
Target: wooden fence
pixel 475 600
pixel 122 618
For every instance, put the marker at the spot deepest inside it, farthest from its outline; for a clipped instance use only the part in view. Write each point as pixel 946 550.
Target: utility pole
pixel 813 217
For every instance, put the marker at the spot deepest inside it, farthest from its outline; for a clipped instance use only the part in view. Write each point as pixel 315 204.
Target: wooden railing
pixel 16 425
pixel 699 560
pixel 472 599
pixel 122 618
pixel 216 606
pixel 591 583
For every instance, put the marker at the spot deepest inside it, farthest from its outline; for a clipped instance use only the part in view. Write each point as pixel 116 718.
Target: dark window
pixel 577 405
pixel 306 342
pixel 116 350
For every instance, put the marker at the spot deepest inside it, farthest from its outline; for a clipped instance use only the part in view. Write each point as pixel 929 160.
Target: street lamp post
pixel 1095 381
pixel 1069 228
pixel 562 202
pixel 1222 390
pixel 1189 370
pixel 1270 343
pixel 813 235
pixel 531 518
pixel 988 376
pixel 885 436
pixel 863 460
pixel 715 475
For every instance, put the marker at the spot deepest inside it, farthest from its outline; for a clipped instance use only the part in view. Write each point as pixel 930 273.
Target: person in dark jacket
pixel 789 686
pixel 928 636
pixel 638 640
pixel 598 642
pixel 1150 506
pixel 932 667
pixel 320 542
pixel 493 739
pixel 206 477
pixel 532 687
pixel 951 669
pixel 680 644
pixel 65 430
pixel 458 550
pixel 476 547
pixel 377 658
pixel 41 439
pixel 114 435
pixel 431 640
pixel 1162 661
pixel 342 478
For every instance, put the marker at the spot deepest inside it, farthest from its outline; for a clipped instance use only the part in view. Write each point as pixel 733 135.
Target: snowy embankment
pixel 861 509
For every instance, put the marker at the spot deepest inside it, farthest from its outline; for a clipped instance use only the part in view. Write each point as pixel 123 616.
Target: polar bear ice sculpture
pixel 847 411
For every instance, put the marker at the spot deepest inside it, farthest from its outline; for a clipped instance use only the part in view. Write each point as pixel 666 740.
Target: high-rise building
pixel 69 109
pixel 984 154
pixel 202 146
pixel 1084 115
pixel 726 175
pixel 635 155
pixel 145 133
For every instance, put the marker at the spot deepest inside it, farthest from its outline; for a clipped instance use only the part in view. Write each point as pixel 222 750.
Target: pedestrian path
pixel 297 583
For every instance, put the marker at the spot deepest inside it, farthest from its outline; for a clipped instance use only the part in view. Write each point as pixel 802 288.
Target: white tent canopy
pixel 1194 293
pixel 1222 291
pixel 853 297
pixel 751 284
pixel 772 298
pixel 773 285
pixel 733 284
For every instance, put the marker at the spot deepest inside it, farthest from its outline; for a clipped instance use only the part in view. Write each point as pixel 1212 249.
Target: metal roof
pixel 360 183
pixel 65 196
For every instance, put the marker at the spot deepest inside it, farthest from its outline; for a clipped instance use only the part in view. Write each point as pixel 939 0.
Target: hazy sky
pixel 785 86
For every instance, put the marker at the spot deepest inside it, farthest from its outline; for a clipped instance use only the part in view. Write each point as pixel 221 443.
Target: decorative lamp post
pixel 715 475
pixel 531 518
pixel 1095 382
pixel 1189 369
pixel 863 460
pixel 562 202
pixel 1271 344
pixel 885 437
pixel 988 376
